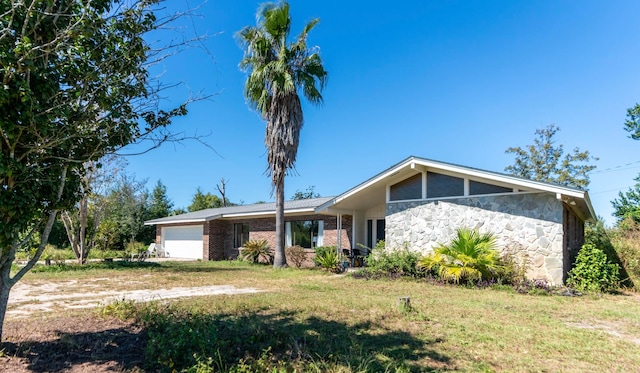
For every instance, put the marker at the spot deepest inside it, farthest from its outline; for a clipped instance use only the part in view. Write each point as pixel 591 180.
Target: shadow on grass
pixel 168 338
pixel 264 340
pixel 116 349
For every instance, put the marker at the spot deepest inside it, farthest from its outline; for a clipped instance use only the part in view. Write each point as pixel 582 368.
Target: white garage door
pixel 183 242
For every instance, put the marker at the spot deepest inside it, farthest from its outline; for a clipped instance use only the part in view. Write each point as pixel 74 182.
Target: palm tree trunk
pixel 279 260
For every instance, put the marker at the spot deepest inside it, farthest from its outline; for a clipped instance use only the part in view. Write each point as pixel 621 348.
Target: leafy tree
pixel 309 193
pixel 546 161
pixel 627 205
pixel 75 86
pixel 178 211
pixel 82 221
pixel 128 203
pixel 277 71
pixel 469 256
pixel 159 206
pixel 201 201
pixel 632 123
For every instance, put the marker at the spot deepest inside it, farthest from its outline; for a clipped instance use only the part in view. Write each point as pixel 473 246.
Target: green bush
pixel 257 251
pixel 392 263
pixel 592 271
pixel 327 258
pixel 471 256
pixel 296 255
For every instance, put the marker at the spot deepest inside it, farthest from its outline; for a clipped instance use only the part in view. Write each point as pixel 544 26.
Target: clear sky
pixel 454 81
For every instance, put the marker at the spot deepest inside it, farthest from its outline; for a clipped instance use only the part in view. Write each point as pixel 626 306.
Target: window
pixel 439 185
pixel 410 188
pixel 240 234
pixel 476 187
pixel 304 233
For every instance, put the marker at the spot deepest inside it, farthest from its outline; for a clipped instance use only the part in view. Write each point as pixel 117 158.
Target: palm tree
pixel 277 70
pixel 469 256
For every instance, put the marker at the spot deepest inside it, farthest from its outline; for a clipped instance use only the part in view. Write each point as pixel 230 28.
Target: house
pixel 417 202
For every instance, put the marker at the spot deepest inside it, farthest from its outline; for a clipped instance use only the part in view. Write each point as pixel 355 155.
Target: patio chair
pixel 358 258
pixel 348 254
pixel 161 252
pixel 143 255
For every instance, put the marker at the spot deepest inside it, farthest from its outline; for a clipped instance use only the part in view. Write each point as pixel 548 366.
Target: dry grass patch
pixel 313 321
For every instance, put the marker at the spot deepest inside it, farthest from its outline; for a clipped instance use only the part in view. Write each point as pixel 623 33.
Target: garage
pixel 183 241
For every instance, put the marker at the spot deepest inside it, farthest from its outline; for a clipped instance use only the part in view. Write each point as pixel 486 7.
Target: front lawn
pixel 314 321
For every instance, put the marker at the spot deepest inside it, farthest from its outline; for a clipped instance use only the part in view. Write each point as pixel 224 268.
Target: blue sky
pixel 454 81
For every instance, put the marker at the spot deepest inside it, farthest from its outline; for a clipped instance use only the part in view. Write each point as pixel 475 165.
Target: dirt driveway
pixel 80 342
pixel 27 299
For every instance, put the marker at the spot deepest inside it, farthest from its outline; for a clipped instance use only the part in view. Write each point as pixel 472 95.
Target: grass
pixel 314 321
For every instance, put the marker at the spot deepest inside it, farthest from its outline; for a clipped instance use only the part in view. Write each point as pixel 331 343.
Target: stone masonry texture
pixel 528 226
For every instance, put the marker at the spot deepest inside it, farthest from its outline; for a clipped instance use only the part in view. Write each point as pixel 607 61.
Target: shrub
pixel 626 241
pixel 392 263
pixel 257 251
pixel 327 258
pixel 296 255
pixel 470 256
pixel 134 248
pixel 514 266
pixel 592 271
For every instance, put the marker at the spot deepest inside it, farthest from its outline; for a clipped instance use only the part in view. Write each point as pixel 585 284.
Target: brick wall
pixel 265 229
pixel 217 235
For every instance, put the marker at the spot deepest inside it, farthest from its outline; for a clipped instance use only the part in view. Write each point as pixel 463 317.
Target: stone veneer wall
pixel 527 225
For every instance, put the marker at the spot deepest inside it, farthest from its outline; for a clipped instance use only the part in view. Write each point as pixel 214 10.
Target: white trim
pixel 199 220
pixel 262 213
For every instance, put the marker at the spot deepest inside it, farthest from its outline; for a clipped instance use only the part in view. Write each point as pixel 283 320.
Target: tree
pixel 307 194
pixel 128 203
pixel 627 205
pixel 159 206
pixel 75 86
pixel 632 123
pixel 201 201
pixel 277 71
pixel 222 189
pixel 83 220
pixel 545 161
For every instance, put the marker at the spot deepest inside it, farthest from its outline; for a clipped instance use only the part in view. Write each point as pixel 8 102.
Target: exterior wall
pixel 265 229
pixel 530 226
pixel 573 238
pixel 216 236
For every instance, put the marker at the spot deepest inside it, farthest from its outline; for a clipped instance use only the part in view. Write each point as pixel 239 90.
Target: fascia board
pixel 200 220
pixel 264 213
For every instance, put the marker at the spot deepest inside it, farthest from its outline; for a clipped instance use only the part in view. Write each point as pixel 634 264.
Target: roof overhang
pixel 373 191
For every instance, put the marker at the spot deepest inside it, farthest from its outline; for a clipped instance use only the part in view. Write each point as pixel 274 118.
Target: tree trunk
pixel 4 294
pixel 279 261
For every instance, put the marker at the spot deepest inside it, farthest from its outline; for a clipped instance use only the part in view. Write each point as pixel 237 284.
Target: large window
pixel 439 185
pixel 410 188
pixel 477 187
pixel 304 233
pixel 240 234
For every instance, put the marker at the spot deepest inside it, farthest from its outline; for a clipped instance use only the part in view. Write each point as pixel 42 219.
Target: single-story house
pixel 417 203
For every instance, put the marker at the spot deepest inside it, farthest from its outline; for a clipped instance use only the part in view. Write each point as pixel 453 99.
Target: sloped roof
pixel 374 189
pixel 295 206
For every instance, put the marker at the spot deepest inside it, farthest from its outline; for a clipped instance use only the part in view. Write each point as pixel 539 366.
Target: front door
pixel 375 232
